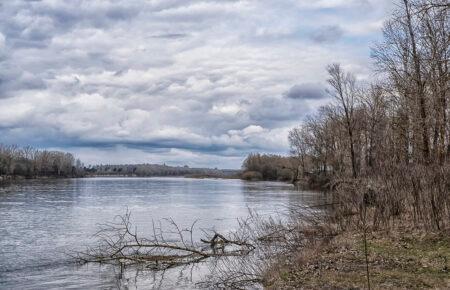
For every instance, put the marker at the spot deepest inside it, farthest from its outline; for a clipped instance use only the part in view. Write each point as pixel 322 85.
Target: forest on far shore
pixel 147 170
pixel 27 162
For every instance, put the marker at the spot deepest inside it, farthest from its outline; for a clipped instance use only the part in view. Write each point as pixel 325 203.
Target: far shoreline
pixel 8 180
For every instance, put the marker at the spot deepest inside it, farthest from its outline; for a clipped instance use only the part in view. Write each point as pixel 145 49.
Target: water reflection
pixel 41 219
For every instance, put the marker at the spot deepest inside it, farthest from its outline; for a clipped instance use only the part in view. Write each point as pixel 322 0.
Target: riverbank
pixel 6 179
pixel 402 258
pixel 404 214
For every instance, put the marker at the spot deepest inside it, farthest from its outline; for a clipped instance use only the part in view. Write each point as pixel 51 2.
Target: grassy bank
pixel 404 258
pixel 404 213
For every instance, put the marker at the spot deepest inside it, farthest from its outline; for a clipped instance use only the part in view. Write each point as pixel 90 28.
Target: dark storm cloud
pixel 327 34
pixel 69 13
pixel 306 91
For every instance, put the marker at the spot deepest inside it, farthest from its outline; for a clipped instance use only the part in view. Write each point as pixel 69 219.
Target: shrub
pixel 252 175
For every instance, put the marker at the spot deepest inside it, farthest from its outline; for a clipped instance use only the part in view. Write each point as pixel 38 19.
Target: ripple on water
pixel 41 220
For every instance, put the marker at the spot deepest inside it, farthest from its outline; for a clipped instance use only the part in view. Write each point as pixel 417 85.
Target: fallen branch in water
pixel 119 244
pixel 237 260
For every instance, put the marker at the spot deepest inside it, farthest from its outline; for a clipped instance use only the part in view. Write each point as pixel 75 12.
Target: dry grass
pixel 405 260
pixel 403 213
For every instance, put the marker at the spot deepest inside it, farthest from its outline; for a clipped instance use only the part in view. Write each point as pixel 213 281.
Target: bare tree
pixel 344 90
pixel 29 162
pixel 299 149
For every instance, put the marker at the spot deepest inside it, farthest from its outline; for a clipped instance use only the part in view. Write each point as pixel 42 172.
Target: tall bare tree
pixel 345 92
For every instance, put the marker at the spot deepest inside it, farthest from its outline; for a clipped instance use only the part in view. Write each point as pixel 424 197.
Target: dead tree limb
pixel 118 243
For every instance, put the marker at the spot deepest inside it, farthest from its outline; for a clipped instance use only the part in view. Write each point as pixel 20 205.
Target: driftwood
pixel 120 244
pixel 236 260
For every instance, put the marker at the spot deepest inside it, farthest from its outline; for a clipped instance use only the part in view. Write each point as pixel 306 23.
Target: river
pixel 42 220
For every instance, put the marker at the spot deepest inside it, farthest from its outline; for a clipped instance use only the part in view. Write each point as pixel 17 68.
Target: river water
pixel 42 220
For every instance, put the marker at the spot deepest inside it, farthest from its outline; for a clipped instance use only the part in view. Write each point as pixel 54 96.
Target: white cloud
pixel 2 42
pixel 202 81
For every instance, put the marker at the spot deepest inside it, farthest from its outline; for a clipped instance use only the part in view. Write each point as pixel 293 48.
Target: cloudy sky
pixel 177 81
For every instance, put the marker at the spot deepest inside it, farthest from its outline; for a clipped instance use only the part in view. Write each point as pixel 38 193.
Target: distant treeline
pixel 29 162
pixel 285 168
pixel 269 167
pixel 143 170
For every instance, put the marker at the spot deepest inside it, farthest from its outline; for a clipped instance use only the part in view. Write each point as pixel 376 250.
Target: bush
pixel 285 175
pixel 252 176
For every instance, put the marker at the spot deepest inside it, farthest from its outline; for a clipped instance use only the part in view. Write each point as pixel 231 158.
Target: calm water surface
pixel 41 220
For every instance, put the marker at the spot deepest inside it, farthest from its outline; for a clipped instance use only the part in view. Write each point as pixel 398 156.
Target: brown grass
pixel 402 260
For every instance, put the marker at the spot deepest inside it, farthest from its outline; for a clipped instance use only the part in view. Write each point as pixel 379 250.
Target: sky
pixel 201 83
